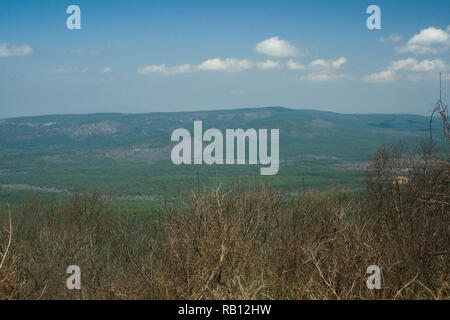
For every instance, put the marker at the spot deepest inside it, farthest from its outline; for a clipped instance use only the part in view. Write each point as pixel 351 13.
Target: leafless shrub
pixel 244 243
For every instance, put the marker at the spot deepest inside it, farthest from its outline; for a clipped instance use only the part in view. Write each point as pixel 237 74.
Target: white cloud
pixel 184 68
pixel 14 51
pixel 319 63
pixel 268 64
pixel 337 64
pixel 292 65
pixel 328 64
pixel 383 76
pixel 392 38
pixel 417 49
pixel 235 65
pixel 152 69
pixel 412 64
pixel 415 70
pixel 276 47
pixel 226 65
pixel 106 69
pixel 322 70
pixel 430 36
pixel 216 64
pixel 428 41
pixel 163 70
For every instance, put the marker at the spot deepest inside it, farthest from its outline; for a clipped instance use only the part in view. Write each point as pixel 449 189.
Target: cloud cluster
pixel 321 70
pixel 226 65
pixel 163 70
pixel 329 64
pixel 416 70
pixel 383 76
pixel 268 64
pixel 428 41
pixel 216 64
pixel 14 51
pixel 414 65
pixel 431 40
pixel 293 65
pixel 275 47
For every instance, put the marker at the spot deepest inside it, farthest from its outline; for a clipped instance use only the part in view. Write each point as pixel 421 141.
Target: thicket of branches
pixel 243 243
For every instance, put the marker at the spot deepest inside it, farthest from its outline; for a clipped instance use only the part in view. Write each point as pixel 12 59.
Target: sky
pixel 166 56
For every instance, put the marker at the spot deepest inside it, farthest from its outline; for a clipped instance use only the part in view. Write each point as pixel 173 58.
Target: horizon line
pixel 6 117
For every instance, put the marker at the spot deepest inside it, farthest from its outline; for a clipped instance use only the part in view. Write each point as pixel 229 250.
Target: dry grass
pixel 243 243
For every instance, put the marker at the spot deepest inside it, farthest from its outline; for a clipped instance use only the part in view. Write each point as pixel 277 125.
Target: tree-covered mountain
pixel 130 153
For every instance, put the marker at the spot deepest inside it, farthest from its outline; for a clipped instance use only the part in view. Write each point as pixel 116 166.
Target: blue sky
pixel 146 56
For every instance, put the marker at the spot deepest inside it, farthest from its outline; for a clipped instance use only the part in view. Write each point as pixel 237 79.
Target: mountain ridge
pixel 280 108
pixel 129 154
pixel 108 129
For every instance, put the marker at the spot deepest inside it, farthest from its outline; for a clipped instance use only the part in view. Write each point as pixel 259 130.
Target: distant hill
pixel 302 131
pixel 113 150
